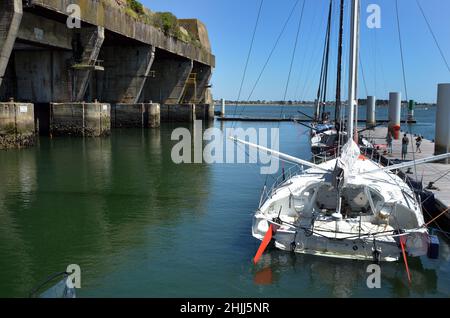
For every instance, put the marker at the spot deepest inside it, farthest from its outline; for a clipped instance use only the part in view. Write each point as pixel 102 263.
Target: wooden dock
pixel 437 173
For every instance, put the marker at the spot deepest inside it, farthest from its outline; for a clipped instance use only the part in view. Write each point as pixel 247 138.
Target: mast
pixel 322 90
pixel 353 72
pixel 337 111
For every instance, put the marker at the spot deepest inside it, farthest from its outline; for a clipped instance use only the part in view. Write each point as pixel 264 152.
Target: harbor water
pixel 141 226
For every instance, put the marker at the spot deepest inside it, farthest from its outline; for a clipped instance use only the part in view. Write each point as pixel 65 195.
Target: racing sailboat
pixel 349 207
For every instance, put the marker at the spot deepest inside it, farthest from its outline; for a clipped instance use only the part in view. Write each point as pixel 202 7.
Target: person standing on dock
pixel 405 143
pixel 419 143
pixel 389 140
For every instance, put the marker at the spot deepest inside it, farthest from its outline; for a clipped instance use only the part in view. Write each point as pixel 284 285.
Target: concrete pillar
pixel 17 128
pixel 204 111
pixel 185 113
pixel 371 111
pixel 135 115
pixel 411 108
pixel 222 113
pixel 11 13
pixel 442 144
pixel 395 111
pixel 80 119
pixel 126 71
pixel 168 84
pixel 153 115
pixel 91 40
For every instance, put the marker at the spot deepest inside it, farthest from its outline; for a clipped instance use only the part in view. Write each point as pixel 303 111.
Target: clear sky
pixel 230 25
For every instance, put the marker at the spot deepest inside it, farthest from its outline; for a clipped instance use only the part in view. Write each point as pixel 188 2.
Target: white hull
pixel 375 207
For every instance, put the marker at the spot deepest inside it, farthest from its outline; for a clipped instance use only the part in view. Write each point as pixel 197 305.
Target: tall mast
pixel 337 111
pixel 353 72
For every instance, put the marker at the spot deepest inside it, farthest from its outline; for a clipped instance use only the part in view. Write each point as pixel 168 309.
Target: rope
pixel 437 217
pixel 434 36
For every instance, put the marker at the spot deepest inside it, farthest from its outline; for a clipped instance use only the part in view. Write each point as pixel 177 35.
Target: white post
pixel 395 114
pixel 442 144
pixel 223 108
pixel 371 111
pixel 353 72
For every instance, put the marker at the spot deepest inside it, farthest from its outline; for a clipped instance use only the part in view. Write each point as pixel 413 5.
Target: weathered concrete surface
pixel 141 115
pixel 169 81
pixel 198 30
pixel 127 115
pixel 153 112
pixel 90 40
pixel 10 17
pixel 115 20
pixel 178 113
pixel 42 76
pixel 80 119
pixel 126 72
pixel 197 84
pixel 204 111
pixel 44 31
pixel 17 128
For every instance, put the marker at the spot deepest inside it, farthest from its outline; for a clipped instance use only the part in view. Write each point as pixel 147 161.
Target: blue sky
pixel 230 24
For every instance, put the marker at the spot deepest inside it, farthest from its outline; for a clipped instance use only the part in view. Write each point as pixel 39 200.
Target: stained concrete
pixel 168 83
pixel 80 119
pixel 178 113
pixel 10 17
pixel 204 111
pixel 47 32
pixel 43 75
pixel 126 72
pixel 44 62
pixel 90 40
pixel 115 20
pixel 135 115
pixel 17 128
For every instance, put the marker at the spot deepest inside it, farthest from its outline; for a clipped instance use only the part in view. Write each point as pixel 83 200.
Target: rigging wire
pixel 363 75
pixel 433 34
pixel 404 81
pixel 248 56
pixel 401 49
pixel 273 50
pixel 294 52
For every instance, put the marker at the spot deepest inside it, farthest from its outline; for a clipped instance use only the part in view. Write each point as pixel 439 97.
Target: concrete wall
pixel 126 71
pixel 113 19
pixel 44 31
pixel 135 115
pixel 40 62
pixel 169 81
pixel 10 18
pixel 80 119
pixel 204 111
pixel 198 30
pixel 17 128
pixel 43 76
pixel 91 40
pixel 178 113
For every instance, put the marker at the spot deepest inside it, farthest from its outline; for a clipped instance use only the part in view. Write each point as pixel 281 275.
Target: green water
pixel 140 226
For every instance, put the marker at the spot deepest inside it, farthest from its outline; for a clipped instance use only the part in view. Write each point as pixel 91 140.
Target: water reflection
pixel 328 277
pixel 87 201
